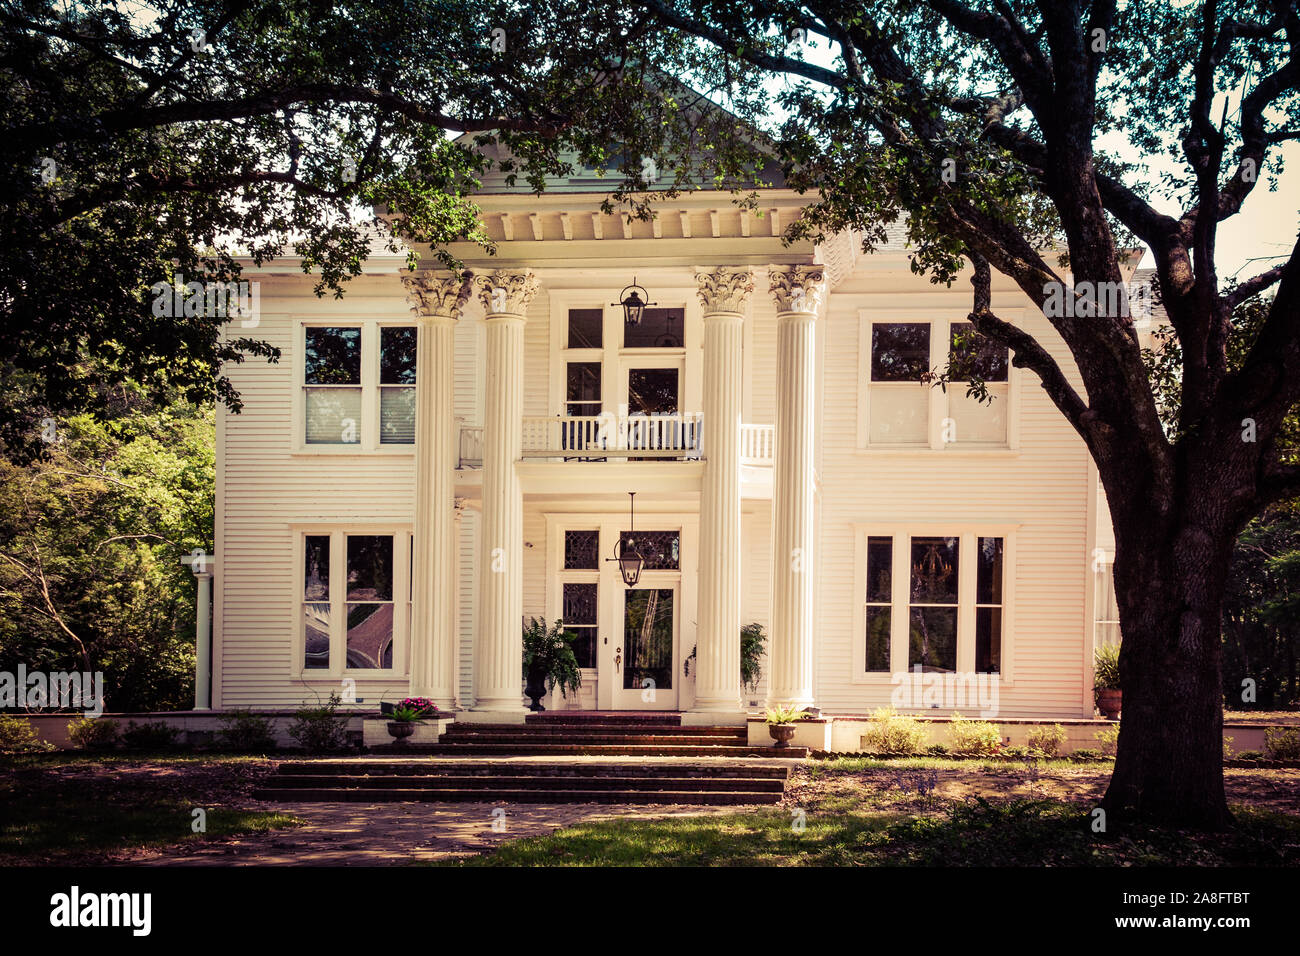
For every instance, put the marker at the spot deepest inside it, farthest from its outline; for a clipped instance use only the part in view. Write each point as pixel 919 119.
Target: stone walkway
pixel 384 834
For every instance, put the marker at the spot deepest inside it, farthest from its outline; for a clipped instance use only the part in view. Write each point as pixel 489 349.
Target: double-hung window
pixel 900 401
pixel 352 614
pixel 974 356
pixel 358 386
pixel 936 602
pixel 580 592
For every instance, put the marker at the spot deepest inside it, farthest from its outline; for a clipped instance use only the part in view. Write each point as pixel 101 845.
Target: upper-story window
pixel 900 409
pixel 358 385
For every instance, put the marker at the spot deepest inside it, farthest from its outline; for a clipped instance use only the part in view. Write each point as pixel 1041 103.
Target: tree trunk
pixel 1170 578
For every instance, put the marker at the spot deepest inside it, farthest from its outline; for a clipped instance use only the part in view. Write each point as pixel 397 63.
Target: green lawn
pixel 76 809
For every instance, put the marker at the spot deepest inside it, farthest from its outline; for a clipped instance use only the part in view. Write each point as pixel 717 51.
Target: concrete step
pixel 463 768
pixel 602 717
pixel 698 797
pixel 540 783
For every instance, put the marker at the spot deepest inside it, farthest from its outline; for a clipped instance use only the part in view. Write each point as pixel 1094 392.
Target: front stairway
pixel 553 758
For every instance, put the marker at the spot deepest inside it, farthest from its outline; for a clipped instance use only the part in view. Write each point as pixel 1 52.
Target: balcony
pixel 607 438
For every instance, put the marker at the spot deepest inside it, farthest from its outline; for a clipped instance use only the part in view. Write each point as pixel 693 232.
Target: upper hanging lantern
pixel 634 305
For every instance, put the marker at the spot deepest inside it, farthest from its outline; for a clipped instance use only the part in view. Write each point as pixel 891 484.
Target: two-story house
pixel 438 457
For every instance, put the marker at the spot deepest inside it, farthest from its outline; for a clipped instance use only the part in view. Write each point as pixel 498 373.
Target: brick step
pixel 464 768
pixel 441 782
pixel 606 717
pixel 592 729
pixel 451 749
pixel 731 797
pixel 583 738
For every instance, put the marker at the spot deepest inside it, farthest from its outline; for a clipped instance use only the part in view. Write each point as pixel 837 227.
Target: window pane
pixel 316 633
pixel 332 356
pixel 660 549
pixel 988 574
pixel 648 638
pixel 976 421
pixel 579 613
pixel 583 382
pixel 933 639
pixel 658 329
pixel 880 562
pixel 370 636
pixel 934 570
pixel 397 356
pixel 585 328
pixel 878 627
pixel 900 414
pixel 581 550
pixel 370 567
pixel 974 355
pixel 652 391
pixel 397 415
pixel 988 640
pixel 900 351
pixel 316 568
pixel 333 416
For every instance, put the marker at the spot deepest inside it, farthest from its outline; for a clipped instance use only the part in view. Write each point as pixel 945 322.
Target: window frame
pixel 939 401
pixel 901 533
pixel 337 670
pixel 370 387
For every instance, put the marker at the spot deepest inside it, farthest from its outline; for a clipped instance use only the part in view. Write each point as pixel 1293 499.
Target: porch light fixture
pixel 626 552
pixel 634 305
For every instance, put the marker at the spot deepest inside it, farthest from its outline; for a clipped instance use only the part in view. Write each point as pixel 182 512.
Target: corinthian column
pixel 437 302
pixel 798 291
pixel 723 293
pixel 499 644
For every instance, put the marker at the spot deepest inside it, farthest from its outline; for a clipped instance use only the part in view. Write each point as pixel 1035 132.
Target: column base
pixel 714 718
pixel 501 705
pixel 790 700
pixel 717 705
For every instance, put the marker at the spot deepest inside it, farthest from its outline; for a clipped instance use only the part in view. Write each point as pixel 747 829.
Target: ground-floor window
pixel 933 602
pixel 355 606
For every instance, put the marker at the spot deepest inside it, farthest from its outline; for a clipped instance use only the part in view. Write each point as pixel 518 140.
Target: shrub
pixel 19 736
pixel 1108 739
pixel 155 735
pixel 1105 668
pixel 1282 744
pixel 937 750
pixel 93 734
pixel 321 728
pixel 893 733
pixel 1227 748
pixel 974 738
pixel 1085 754
pixel 1251 755
pixel 245 731
pixel 1046 740
pixel 752 640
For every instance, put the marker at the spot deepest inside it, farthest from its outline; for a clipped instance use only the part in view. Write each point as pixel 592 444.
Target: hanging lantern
pixel 626 553
pixel 634 304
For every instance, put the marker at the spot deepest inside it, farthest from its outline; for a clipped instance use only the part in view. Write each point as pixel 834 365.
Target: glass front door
pixel 644 662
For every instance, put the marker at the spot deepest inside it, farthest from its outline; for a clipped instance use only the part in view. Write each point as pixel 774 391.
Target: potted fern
pixel 780 724
pixel 402 724
pixel 549 661
pixel 1105 680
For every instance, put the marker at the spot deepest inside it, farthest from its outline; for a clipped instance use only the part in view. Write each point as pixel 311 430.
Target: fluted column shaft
pixel 498 680
pixel 798 292
pixel 437 302
pixel 717 687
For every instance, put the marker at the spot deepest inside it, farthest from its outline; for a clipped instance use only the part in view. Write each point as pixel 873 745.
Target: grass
pixel 977 832
pixel 70 808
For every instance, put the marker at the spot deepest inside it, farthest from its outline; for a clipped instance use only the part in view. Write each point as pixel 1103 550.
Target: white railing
pixel 606 437
pixel 757 444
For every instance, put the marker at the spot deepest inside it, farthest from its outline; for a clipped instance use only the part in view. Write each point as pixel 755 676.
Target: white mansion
pixel 437 458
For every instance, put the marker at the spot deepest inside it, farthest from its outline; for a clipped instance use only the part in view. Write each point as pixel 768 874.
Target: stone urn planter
pixel 535 688
pixel 781 733
pixel 1108 702
pixel 399 730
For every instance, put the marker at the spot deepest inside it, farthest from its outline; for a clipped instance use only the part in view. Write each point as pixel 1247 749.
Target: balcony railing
pixel 606 437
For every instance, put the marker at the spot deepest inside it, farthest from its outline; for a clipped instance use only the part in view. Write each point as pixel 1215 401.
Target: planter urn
pixel 535 688
pixel 399 730
pixel 781 733
pixel 1108 702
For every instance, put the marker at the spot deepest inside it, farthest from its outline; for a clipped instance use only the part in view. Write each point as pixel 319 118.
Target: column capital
pixel 798 288
pixel 506 292
pixel 437 295
pixel 724 290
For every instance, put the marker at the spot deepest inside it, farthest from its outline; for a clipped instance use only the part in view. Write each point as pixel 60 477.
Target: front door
pixel 645 657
